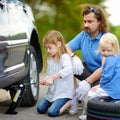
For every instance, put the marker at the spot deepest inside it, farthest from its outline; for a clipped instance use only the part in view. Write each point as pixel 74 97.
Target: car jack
pixel 17 99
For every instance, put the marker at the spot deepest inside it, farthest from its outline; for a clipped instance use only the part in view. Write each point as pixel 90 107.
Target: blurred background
pixel 65 16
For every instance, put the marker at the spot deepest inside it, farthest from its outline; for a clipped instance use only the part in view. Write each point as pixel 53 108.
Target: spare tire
pixel 103 108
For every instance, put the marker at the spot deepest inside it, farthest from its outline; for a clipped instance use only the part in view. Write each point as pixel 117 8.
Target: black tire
pixel 103 107
pixel 32 90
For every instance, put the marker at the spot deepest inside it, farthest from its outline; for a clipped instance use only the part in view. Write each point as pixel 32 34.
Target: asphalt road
pixel 28 113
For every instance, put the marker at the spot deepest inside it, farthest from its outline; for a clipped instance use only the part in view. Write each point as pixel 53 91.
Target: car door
pixel 18 34
pixel 4 40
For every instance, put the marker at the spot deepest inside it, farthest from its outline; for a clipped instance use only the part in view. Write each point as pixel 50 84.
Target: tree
pixel 62 15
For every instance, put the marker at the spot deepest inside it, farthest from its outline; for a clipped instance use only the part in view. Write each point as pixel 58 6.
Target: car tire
pixel 103 108
pixel 31 81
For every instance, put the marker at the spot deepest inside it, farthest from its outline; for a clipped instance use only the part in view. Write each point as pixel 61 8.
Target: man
pixel 95 25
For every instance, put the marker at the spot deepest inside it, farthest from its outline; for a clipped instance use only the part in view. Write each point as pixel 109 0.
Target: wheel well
pixel 36 45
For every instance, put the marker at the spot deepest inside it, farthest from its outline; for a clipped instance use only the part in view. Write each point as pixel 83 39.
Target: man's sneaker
pixel 83 117
pixel 74 106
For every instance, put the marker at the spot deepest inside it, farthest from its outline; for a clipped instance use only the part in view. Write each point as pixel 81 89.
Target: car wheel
pixel 103 108
pixel 31 81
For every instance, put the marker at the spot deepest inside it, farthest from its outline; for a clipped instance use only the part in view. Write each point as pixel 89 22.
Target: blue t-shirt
pixel 110 77
pixel 88 47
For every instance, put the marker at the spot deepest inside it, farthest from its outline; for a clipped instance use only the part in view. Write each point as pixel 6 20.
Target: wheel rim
pixel 33 75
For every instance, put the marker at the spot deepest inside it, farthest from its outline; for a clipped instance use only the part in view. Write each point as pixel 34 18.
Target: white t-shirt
pixel 64 86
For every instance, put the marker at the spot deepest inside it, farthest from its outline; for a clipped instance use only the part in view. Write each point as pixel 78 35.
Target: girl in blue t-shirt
pixel 109 84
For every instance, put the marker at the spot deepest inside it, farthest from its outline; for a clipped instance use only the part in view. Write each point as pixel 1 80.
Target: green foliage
pixel 62 15
pixel 116 31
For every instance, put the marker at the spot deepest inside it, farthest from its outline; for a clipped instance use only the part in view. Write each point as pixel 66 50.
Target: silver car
pixel 20 51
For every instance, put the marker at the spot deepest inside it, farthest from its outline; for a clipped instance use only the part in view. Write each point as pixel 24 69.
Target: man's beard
pixel 87 30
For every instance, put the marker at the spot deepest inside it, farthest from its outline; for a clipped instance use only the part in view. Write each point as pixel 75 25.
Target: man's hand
pixel 77 66
pixel 82 89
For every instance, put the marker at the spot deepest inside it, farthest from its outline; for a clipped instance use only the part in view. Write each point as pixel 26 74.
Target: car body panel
pixel 16 29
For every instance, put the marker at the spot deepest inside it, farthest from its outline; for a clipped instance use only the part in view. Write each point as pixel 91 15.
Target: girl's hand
pixel 42 81
pixel 49 81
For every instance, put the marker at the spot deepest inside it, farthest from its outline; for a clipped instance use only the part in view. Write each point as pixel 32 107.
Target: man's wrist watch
pixel 88 82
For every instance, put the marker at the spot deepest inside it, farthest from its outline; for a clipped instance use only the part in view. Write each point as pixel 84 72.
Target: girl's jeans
pixel 53 108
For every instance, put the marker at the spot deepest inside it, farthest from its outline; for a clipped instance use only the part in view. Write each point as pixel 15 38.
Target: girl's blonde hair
pixel 53 37
pixel 109 38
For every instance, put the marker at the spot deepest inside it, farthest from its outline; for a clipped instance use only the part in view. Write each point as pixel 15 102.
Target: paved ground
pixel 28 113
